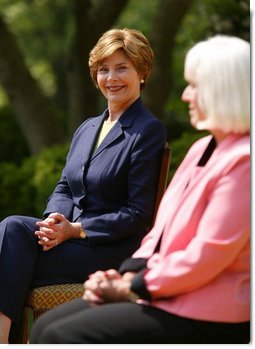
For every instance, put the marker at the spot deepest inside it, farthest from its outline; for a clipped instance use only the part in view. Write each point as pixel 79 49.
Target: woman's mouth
pixel 114 88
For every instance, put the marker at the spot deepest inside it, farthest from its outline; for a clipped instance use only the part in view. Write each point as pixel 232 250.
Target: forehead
pixel 190 73
pixel 117 57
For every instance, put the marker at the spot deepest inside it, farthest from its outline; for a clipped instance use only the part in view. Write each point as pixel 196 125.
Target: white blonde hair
pixel 220 66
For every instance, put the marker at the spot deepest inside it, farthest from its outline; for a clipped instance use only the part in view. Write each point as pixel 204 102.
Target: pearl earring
pixel 142 81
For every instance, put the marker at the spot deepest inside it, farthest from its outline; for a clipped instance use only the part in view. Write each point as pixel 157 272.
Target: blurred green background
pixel 46 90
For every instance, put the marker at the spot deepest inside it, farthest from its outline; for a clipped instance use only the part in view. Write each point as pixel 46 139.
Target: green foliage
pixel 179 148
pixel 232 17
pixel 138 15
pixel 13 147
pixel 44 29
pixel 17 192
pixel 25 188
pixel 48 168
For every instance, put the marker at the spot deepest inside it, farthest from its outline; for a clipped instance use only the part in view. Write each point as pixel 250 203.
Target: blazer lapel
pixel 125 121
pixel 196 176
pixel 91 137
pixel 114 133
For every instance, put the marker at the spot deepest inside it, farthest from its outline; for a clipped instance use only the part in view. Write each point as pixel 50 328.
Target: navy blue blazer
pixel 111 190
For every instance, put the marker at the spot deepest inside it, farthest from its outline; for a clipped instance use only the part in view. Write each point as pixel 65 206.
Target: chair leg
pixel 19 332
pixel 25 326
pixel 37 313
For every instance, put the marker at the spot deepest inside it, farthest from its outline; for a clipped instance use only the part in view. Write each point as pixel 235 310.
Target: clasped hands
pixel 107 286
pixel 54 230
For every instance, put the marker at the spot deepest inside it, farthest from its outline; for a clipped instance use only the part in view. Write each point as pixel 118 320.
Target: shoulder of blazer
pixel 231 151
pixel 235 146
pixel 92 121
pixel 237 151
pixel 139 117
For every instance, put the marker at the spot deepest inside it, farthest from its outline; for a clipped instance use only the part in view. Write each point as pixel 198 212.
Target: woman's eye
pixel 103 70
pixel 122 68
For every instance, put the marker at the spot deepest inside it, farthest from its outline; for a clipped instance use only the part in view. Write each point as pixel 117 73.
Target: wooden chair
pixel 163 178
pixel 43 298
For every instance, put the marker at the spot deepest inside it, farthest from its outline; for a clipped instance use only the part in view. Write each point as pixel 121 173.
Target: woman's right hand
pixel 107 286
pixel 54 230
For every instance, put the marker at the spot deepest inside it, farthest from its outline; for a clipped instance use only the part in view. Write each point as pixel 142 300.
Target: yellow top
pixel 107 125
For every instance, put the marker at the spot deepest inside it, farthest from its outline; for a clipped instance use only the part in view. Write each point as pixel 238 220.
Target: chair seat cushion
pixel 47 297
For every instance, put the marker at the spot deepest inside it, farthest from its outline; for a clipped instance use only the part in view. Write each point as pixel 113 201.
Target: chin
pixel 194 122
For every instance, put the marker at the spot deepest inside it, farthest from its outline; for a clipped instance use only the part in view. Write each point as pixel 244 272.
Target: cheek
pixel 101 83
pixel 199 109
pixel 99 80
pixel 195 102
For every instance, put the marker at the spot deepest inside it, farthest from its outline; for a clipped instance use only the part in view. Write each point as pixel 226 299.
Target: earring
pixel 142 81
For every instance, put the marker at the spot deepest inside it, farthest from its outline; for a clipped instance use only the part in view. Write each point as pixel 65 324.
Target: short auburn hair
pixel 132 43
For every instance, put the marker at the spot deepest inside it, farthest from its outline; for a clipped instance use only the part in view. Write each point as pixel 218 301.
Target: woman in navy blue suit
pixel 103 203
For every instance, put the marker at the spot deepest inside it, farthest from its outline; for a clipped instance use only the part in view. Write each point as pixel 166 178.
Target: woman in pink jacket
pixel 189 282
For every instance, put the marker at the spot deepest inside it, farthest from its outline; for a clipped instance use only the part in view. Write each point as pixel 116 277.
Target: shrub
pixel 25 188
pixel 16 189
pixel 179 148
pixel 13 146
pixel 48 168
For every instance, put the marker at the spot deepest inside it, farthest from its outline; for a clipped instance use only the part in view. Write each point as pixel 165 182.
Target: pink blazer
pixel 202 270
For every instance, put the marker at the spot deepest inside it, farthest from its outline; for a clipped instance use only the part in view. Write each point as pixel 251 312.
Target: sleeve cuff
pixel 138 286
pixel 133 264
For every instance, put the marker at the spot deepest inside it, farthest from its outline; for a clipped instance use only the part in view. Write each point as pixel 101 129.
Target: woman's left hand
pixel 106 286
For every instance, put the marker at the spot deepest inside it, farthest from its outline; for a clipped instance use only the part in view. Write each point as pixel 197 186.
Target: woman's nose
pixel 186 94
pixel 112 75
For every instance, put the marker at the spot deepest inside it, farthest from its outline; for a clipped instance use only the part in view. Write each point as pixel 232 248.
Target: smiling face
pixel 118 80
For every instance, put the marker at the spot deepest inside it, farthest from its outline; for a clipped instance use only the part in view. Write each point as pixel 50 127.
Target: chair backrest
pixel 163 178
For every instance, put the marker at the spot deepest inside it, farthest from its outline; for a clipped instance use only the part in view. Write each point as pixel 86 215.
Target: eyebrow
pixel 102 64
